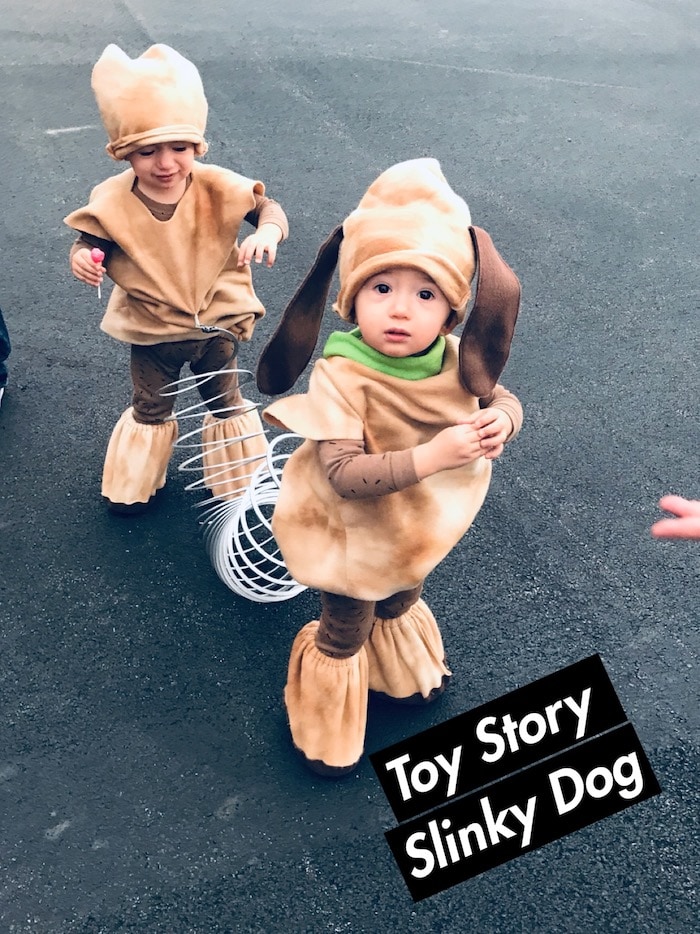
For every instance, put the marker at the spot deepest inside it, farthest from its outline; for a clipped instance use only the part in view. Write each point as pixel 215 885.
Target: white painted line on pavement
pixel 71 129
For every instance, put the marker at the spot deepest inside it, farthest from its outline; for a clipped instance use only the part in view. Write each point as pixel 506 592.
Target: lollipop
pixel 96 255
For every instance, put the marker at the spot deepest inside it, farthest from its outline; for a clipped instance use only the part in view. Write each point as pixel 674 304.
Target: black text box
pixel 556 797
pixel 429 757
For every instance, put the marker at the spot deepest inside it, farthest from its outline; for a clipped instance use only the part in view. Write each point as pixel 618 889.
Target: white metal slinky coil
pixel 238 531
pixel 239 539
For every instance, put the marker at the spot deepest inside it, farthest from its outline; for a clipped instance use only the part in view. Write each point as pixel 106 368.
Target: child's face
pixel 401 312
pixel 162 169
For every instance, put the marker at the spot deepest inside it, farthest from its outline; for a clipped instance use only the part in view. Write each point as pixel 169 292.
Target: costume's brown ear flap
pixel 488 332
pixel 286 354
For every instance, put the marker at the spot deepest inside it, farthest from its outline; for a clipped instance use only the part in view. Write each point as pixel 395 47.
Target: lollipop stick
pixel 96 255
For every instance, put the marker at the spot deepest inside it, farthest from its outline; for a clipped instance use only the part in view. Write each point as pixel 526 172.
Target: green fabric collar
pixel 350 344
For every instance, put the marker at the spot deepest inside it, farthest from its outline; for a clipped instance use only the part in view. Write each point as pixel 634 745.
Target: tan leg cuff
pixel 406 657
pixel 233 449
pixel 326 701
pixel 137 459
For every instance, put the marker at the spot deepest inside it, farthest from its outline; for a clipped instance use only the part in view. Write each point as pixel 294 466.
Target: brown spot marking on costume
pixel 309 515
pixel 207 221
pixel 410 548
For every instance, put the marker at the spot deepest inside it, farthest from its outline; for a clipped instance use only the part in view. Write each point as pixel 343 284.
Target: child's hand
pixel 481 435
pixel 493 427
pixel 86 269
pixel 255 246
pixel 452 447
pixel 686 521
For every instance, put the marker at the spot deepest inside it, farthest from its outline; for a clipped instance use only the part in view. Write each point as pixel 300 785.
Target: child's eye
pixel 382 288
pixel 180 148
pixel 426 294
pixel 146 152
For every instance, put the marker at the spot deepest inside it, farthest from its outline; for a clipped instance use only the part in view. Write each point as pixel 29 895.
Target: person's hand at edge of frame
pixel 685 522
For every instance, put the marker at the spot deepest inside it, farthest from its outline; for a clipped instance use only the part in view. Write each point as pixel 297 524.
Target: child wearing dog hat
pixel 402 422
pixel 168 227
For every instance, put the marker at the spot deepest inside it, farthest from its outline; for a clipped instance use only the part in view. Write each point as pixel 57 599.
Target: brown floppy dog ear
pixel 286 354
pixel 488 332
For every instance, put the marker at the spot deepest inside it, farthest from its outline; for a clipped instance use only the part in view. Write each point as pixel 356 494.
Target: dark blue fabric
pixel 5 348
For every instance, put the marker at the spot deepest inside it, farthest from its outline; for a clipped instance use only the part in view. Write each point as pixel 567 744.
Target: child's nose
pixel 399 305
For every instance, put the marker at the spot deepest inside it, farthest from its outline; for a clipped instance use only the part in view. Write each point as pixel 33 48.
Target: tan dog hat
pixel 408 217
pixel 156 98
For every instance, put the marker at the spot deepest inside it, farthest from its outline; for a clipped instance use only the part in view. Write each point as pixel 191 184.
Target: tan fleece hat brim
pixel 180 133
pixel 450 279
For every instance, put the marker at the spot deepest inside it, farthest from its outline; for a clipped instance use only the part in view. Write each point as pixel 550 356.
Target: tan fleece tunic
pixel 165 272
pixel 372 548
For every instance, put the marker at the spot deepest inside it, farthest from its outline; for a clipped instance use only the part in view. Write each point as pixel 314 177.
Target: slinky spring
pixel 238 532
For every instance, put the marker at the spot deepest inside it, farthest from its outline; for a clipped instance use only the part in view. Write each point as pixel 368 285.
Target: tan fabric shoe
pixel 326 701
pixel 406 657
pixel 234 447
pixel 136 462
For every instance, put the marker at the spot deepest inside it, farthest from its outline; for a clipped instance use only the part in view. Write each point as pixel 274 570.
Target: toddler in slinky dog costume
pixel 168 227
pixel 401 421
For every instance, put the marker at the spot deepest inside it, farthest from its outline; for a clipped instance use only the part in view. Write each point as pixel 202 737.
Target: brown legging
pixel 154 366
pixel 346 623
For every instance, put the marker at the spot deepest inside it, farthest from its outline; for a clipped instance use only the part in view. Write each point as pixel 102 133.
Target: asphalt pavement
pixel 147 781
